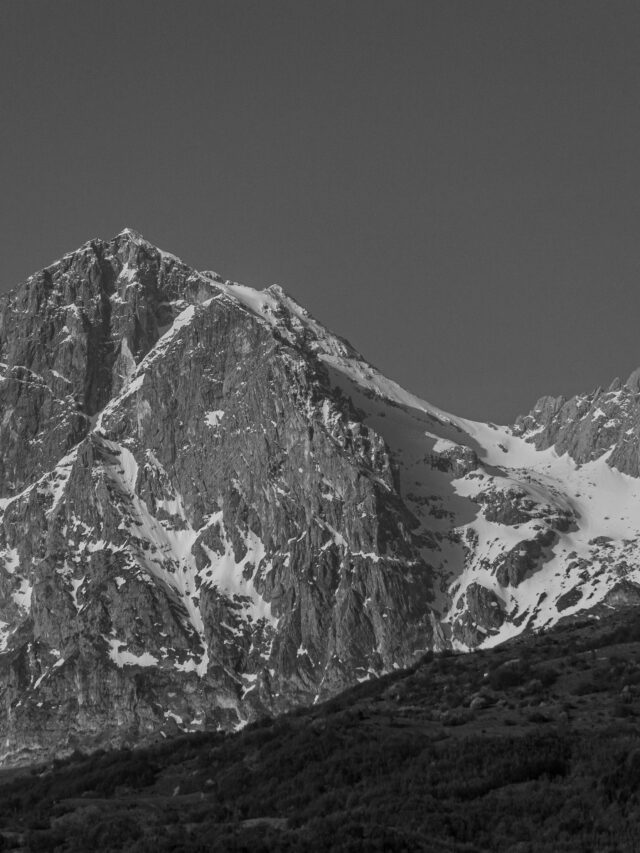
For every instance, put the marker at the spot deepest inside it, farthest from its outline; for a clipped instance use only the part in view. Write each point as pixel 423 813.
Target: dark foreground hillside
pixel 534 746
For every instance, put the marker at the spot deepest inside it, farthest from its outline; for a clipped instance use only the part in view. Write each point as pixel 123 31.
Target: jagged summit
pixel 212 508
pixel 132 237
pixel 131 234
pixel 633 382
pixel 129 253
pixel 588 426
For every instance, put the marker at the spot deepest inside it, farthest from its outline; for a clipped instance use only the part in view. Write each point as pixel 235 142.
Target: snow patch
pixel 213 419
pixel 122 657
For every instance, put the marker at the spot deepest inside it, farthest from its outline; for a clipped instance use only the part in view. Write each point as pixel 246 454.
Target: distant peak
pixel 280 294
pixel 633 382
pixel 278 291
pixel 130 237
pixel 131 234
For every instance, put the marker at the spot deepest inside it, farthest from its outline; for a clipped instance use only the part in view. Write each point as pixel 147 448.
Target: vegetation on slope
pixel 530 747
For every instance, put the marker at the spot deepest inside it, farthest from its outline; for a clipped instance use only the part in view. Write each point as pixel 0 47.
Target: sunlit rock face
pixel 212 509
pixel 589 425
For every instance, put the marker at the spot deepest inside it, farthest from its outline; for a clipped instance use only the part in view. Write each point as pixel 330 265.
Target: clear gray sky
pixel 454 186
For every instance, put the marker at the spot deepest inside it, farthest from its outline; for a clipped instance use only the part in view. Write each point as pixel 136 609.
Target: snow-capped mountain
pixel 212 508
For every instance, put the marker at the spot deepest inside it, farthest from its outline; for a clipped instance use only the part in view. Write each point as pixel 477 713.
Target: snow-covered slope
pixel 524 536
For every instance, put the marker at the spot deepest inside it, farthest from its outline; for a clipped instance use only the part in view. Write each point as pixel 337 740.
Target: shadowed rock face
pixel 70 337
pixel 212 509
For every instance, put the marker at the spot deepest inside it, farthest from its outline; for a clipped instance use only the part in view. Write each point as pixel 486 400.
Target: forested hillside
pixel 530 747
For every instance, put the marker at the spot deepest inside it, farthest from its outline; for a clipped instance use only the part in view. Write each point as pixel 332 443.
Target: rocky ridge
pixel 589 425
pixel 212 509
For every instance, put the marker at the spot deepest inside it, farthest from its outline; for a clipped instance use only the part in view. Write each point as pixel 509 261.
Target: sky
pixel 452 185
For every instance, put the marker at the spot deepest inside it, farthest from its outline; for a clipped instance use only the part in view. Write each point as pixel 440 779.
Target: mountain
pixel 212 509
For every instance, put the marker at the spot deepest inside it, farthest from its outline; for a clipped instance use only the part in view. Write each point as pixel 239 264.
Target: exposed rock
pixel 513 566
pixel 458 459
pixel 623 594
pixel 569 599
pixel 510 507
pixel 587 426
pixel 482 614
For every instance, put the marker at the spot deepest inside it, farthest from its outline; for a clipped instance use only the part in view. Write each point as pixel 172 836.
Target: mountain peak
pixel 132 235
pixel 278 291
pixel 633 382
pixel 133 239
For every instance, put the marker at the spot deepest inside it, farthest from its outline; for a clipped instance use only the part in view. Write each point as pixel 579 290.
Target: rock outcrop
pixel 589 425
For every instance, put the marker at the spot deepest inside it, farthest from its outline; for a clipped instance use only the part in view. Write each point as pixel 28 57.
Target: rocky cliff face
pixel 211 509
pixel 589 425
